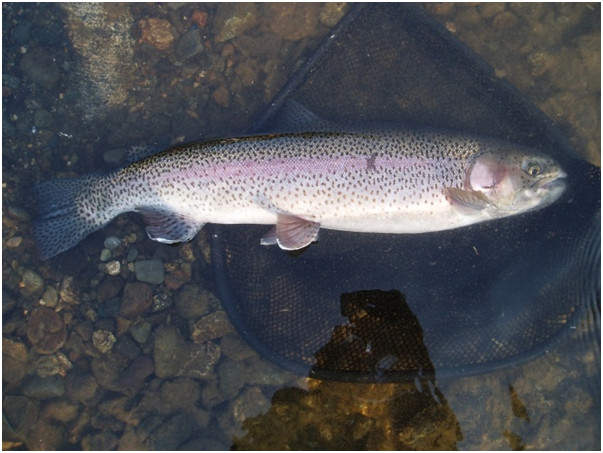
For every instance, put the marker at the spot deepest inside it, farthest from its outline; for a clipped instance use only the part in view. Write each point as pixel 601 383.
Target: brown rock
pixel 137 298
pixel 132 379
pixel 200 18
pixel 214 325
pixel 233 19
pixel 46 330
pixel 294 21
pixel 221 96
pixel 109 288
pixel 69 292
pixel 156 32
pixel 14 360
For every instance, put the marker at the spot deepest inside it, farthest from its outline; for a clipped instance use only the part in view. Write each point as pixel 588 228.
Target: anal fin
pixel 168 227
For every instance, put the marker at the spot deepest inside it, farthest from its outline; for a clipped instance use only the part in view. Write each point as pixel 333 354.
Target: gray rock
pixel 172 433
pixel 150 271
pixel 211 395
pixel 132 255
pixel 137 298
pixel 19 415
pixel 133 378
pixel 231 377
pixel 20 34
pixel 69 291
pixel 262 372
pixel 175 357
pixel 102 441
pixel 81 388
pixel 141 331
pixel 250 403
pixel 189 44
pixel 179 394
pixel 61 410
pixel 112 242
pixel 44 388
pixel 235 348
pixel 192 302
pixel 204 444
pixel 127 347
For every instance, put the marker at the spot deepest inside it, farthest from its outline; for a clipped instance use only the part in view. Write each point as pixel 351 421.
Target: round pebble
pixel 113 267
pixel 112 242
pixel 105 255
pixel 14 242
pixel 150 271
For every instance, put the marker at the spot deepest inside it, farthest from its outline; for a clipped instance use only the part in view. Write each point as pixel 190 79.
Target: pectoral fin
pixel 467 199
pixel 291 233
pixel 168 227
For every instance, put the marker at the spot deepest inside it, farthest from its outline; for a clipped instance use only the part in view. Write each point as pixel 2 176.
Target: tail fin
pixel 63 220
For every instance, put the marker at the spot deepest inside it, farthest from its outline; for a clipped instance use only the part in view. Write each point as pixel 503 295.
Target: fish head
pixel 516 180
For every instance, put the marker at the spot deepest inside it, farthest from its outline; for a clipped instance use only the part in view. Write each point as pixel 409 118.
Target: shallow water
pixel 112 362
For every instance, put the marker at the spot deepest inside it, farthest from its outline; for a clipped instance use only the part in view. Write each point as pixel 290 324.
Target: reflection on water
pixel 123 343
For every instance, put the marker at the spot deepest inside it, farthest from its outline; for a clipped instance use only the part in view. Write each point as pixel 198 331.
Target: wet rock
pixel 118 408
pixel 81 388
pixel 294 21
pixel 132 255
pixel 69 292
pixel 19 415
pixel 221 96
pixel 105 255
pixel 17 212
pixel 247 72
pixel 214 325
pixel 211 395
pixel 49 365
pixel 45 436
pixel 171 433
pixel 46 330
pixel 250 403
pixel 332 13
pixel 43 119
pixel 156 32
pixel 107 369
pixel 102 441
pixel 31 283
pixel 14 361
pixel 113 267
pixel 262 372
pixel 127 347
pixel 109 288
pixel 133 378
pixel 112 242
pixel 189 44
pixel 137 298
pixel 199 17
pixel 61 410
pixel 50 298
pixel 103 340
pixel 233 19
pixel 14 242
pixel 488 10
pixel 179 394
pixel 39 67
pixel 175 357
pixel 504 20
pixel 231 377
pixel 235 348
pixel 150 271
pixel 192 302
pixel 204 444
pixel 161 301
pixel 141 331
pixel 44 388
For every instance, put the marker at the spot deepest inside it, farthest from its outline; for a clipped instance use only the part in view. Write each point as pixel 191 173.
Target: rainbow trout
pixel 383 182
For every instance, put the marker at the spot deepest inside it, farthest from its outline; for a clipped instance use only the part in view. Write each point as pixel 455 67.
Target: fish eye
pixel 533 169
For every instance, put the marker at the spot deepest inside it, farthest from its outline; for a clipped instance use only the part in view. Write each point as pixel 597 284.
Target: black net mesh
pixel 386 307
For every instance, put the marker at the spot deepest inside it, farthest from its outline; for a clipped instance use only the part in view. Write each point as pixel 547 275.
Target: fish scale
pixel 367 181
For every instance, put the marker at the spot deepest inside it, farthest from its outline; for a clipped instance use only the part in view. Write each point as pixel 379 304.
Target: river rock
pixel 69 292
pixel 150 271
pixel 103 340
pixel 192 302
pixel 45 436
pixel 49 365
pixel 294 21
pixel 235 348
pixel 141 331
pixel 61 410
pixel 31 283
pixel 102 441
pixel 38 65
pixel 137 298
pixel 173 432
pixel 133 378
pixel 214 325
pixel 109 288
pixel 189 44
pixel 50 298
pixel 250 403
pixel 21 414
pixel 46 330
pixel 232 376
pixel 179 394
pixel 233 19
pixel 44 388
pixel 81 388
pixel 156 32
pixel 14 361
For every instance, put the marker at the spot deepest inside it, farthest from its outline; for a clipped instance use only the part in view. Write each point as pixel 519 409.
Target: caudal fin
pixel 63 220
